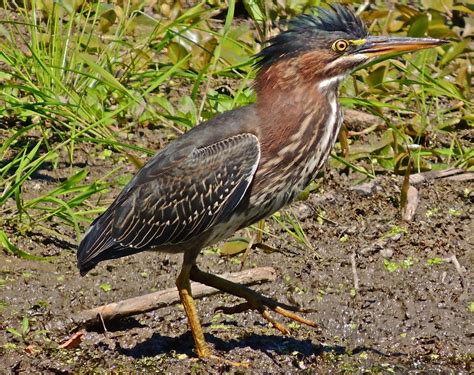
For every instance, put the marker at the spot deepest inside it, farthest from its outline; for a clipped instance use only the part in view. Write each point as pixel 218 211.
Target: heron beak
pixel 384 45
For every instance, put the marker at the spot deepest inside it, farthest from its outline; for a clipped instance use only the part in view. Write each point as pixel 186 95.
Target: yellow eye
pixel 340 45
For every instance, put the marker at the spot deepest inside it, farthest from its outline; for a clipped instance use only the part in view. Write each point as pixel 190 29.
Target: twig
pixel 421 177
pixel 164 298
pixel 411 204
pixel 468 176
pixel 452 259
pixel 354 271
pixel 99 315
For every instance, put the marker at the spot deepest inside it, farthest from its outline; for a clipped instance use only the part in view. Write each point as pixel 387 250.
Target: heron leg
pixel 184 288
pixel 254 300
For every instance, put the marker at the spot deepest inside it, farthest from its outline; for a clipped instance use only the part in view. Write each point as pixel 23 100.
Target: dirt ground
pixel 411 311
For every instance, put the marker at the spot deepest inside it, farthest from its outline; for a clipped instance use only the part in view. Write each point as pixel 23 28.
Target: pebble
pixel 386 253
pixel 367 189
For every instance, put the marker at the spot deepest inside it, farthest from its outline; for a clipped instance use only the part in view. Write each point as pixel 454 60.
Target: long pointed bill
pixel 384 45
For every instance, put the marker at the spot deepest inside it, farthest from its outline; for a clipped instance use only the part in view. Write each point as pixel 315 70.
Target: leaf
pixel 105 287
pixel 434 261
pixel 454 50
pixel 390 266
pixel 25 326
pixel 376 77
pixel 74 180
pixel 438 27
pixel 176 52
pixel 74 341
pixel 107 17
pixel 70 5
pixel 407 263
pixel 232 51
pixel 418 26
pixel 304 195
pixel 255 9
pixel 137 163
pixel 406 11
pixel 14 332
pixel 92 44
pixel 188 108
pixel 439 5
pixel 267 249
pixel 373 144
pixel 104 75
pixel 31 349
pixel 234 247
pixel 12 249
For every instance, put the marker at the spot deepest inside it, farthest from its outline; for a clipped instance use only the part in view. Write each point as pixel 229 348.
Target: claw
pixel 295 317
pixel 254 301
pixel 274 323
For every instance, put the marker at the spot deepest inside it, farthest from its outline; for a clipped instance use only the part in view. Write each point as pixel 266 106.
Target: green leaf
pixel 176 52
pixel 434 261
pixel 105 287
pixel 304 195
pixel 439 5
pixel 407 263
pixel 25 326
pixel 12 249
pixel 454 50
pixel 105 76
pixel 376 77
pixel 255 9
pixel 390 266
pixel 419 26
pixel 14 332
pixel 234 247
pixel 188 108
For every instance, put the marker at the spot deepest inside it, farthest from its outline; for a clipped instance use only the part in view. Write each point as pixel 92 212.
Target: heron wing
pixel 188 198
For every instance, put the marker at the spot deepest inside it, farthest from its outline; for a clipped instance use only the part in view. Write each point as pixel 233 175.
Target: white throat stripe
pixel 331 81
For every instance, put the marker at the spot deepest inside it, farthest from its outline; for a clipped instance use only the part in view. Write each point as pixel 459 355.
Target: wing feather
pixel 187 200
pixel 173 199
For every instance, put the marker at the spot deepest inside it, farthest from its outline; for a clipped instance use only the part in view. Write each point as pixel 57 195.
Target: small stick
pixel 354 271
pixel 411 204
pixel 99 315
pixel 452 259
pixel 164 298
pixel 468 176
pixel 424 176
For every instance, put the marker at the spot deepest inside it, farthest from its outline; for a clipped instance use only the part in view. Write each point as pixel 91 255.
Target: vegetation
pixel 83 83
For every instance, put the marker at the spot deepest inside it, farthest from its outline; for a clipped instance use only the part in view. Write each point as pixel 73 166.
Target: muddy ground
pixel 410 314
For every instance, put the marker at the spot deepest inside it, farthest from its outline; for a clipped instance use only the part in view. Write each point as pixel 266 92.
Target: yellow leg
pixel 254 300
pixel 247 250
pixel 184 289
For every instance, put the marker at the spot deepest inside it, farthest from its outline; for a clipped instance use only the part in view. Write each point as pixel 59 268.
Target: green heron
pixel 243 165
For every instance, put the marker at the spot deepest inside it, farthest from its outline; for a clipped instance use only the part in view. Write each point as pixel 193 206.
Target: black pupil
pixel 342 45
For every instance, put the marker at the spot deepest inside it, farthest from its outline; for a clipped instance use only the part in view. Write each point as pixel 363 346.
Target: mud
pixel 383 291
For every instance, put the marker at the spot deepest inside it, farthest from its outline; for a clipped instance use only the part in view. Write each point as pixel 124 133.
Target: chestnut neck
pixel 297 83
pixel 294 99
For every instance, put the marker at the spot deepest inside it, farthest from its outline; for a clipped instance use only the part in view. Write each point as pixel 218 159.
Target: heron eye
pixel 340 45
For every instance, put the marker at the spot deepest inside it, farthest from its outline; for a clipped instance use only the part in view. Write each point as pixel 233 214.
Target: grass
pixel 86 80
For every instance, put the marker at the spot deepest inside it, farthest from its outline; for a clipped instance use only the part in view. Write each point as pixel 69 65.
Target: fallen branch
pixel 164 298
pixel 432 175
pixel 468 176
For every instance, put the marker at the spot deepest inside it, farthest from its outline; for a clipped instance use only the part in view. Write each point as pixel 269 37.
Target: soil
pixel 387 294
